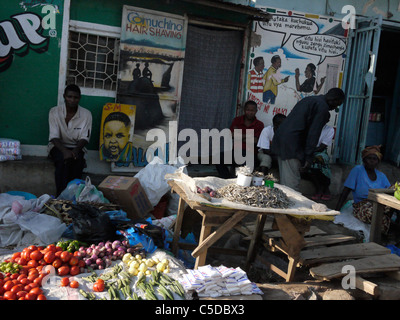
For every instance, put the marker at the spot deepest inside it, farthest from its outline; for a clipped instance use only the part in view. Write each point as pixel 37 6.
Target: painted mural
pixel 116 132
pixel 27 31
pixel 295 55
pixel 152 52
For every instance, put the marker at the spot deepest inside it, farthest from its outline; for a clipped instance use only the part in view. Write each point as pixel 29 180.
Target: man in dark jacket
pixel 297 137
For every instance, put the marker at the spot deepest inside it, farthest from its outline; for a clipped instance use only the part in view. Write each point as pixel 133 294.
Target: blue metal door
pixel 358 86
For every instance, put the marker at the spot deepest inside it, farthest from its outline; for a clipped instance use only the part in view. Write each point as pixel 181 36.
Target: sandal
pixel 316 197
pixel 326 197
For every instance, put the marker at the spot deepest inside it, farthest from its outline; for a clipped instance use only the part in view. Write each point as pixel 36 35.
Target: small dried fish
pixel 255 196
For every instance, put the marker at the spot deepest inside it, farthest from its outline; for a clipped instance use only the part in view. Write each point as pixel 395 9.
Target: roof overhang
pixel 253 13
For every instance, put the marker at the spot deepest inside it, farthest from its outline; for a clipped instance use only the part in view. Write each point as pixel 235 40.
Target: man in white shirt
pixel 70 128
pixel 264 143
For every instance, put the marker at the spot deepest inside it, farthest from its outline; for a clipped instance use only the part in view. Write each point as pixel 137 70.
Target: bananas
pixel 397 191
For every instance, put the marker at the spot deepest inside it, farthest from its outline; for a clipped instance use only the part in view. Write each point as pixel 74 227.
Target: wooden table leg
pixel 376 222
pixel 178 226
pixel 204 233
pixel 293 242
pixel 260 221
pixel 217 234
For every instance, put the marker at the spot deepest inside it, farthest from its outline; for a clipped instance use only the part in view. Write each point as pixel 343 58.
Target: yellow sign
pixel 116 132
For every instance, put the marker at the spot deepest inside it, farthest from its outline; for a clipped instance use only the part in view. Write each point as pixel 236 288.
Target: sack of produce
pixel 89 224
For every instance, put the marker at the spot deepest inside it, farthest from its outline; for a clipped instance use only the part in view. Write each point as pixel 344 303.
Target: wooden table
pixel 224 219
pixel 380 198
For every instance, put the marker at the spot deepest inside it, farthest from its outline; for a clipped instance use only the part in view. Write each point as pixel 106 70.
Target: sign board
pixel 152 51
pixel 303 55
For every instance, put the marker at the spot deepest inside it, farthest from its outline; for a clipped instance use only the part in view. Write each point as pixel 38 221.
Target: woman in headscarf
pixel 362 178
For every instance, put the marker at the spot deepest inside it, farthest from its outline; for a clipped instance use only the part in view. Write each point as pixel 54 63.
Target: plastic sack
pixel 47 228
pixel 152 178
pixel 137 239
pixel 69 192
pixel 88 193
pixel 348 220
pixel 146 234
pixel 91 225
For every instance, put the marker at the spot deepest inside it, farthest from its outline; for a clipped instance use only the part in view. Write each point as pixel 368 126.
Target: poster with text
pixel 294 55
pixel 116 132
pixel 152 51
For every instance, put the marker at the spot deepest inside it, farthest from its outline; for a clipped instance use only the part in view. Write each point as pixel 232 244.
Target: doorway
pixel 384 118
pixel 210 82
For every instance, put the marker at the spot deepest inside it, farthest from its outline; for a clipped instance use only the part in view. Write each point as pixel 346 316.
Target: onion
pixel 125 243
pixel 94 257
pixel 96 252
pixel 99 261
pixel 100 244
pixel 101 254
pixel 116 244
pixel 108 245
pixel 131 250
pixel 88 262
pixel 89 251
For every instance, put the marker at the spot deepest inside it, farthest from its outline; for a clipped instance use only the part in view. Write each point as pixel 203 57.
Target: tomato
pixel 74 270
pixel 36 291
pixel 8 295
pixel 26 253
pixel 14 276
pixel 62 271
pixel 23 261
pixel 36 255
pixel 33 263
pixel 8 285
pixel 16 255
pixel 25 281
pixel 32 248
pixel 41 297
pixel 64 282
pixel 99 285
pixel 65 256
pixel 58 254
pixel 57 263
pixel 81 264
pixel 32 277
pixel 49 257
pixel 28 287
pixel 30 296
pixel 51 248
pixel 74 284
pixel 21 276
pixel 38 280
pixel 21 293
pixel 17 288
pixel 73 261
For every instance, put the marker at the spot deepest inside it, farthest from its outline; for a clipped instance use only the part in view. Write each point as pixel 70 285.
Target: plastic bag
pixel 88 193
pixel 91 225
pixel 47 228
pixel 152 179
pixel 69 192
pixel 143 232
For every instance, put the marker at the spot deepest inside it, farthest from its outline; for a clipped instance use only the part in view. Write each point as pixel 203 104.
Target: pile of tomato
pixel 26 284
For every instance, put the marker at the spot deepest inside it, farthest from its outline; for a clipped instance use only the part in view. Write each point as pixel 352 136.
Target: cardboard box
pixel 128 193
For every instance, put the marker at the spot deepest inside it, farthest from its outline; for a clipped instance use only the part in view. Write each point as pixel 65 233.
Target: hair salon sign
pixel 23 32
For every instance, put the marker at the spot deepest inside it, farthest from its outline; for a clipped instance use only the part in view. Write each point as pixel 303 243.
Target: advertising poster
pixel 294 55
pixel 116 133
pixel 152 51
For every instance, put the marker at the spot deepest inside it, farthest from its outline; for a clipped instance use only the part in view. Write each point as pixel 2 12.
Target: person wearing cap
pixel 362 178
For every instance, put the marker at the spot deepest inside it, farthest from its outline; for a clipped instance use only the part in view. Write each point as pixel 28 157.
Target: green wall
pixel 29 86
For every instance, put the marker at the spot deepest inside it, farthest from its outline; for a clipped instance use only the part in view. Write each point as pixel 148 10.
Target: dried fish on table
pixel 255 196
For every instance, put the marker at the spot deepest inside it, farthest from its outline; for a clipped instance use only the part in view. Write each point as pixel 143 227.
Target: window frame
pixel 91 29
